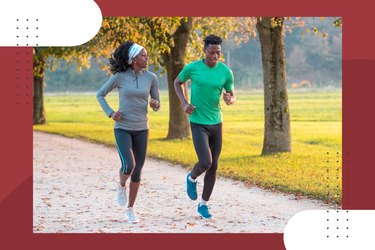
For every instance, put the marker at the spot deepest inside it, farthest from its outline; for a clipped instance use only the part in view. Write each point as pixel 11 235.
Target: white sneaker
pixel 130 214
pixel 121 196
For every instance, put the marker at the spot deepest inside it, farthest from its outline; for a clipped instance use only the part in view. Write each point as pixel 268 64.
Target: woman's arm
pixel 154 93
pixel 102 93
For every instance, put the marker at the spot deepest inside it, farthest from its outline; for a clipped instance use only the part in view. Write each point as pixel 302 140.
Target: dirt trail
pixel 74 191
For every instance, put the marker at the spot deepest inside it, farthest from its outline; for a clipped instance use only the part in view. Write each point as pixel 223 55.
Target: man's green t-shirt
pixel 206 87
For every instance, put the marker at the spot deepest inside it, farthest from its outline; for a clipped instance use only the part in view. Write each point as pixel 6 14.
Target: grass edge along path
pixel 313 169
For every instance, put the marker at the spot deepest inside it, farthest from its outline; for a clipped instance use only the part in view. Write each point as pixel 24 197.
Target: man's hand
pixel 189 108
pixel 227 98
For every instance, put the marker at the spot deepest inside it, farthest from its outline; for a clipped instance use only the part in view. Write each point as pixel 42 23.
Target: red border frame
pixel 358 123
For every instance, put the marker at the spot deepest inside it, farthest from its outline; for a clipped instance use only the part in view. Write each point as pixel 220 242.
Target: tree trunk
pixel 179 126
pixel 39 66
pixel 276 107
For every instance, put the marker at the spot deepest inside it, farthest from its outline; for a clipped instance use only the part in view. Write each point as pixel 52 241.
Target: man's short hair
pixel 212 39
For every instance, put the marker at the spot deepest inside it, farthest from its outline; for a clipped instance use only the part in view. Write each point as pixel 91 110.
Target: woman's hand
pixel 154 104
pixel 116 116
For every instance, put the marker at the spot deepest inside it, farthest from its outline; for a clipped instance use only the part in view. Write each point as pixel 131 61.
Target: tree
pixel 271 30
pixel 70 54
pixel 170 41
pixel 101 45
pixel 276 108
pixel 39 68
pixel 109 36
pixel 173 41
pixel 185 44
pixel 179 126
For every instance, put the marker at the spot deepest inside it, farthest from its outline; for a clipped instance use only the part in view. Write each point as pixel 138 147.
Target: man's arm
pixel 229 97
pixel 188 108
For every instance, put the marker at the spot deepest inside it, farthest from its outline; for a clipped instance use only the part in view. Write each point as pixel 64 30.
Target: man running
pixel 208 79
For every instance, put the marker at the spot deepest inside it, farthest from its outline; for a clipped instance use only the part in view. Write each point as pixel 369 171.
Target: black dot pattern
pixel 346 181
pixel 337 224
pixel 336 221
pixel 27 32
pixel 333 175
pixel 24 64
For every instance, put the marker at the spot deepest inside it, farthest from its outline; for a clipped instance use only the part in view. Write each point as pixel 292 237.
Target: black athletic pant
pixel 207 143
pixel 132 147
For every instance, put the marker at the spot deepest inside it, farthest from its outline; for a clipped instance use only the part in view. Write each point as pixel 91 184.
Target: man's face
pixel 213 53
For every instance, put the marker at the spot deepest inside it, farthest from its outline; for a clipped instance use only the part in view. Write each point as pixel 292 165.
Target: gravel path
pixel 74 192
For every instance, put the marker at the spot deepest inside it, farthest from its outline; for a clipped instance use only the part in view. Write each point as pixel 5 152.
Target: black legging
pixel 207 143
pixel 132 147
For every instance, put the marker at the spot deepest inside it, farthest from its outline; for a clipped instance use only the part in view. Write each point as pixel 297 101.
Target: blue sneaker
pixel 203 211
pixel 191 188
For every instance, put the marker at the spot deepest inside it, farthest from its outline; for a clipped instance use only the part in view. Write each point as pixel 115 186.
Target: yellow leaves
pixel 318 26
pixel 156 34
pixel 288 28
pixel 277 22
pixel 237 29
pixel 320 32
pixel 337 23
pixel 291 23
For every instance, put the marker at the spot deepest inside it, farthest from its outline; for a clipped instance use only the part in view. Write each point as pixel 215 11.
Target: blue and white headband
pixel 134 51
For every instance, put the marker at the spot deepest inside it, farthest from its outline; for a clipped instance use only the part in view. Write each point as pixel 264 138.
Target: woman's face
pixel 142 59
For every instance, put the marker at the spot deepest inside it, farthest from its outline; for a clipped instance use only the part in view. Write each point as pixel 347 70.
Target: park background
pixel 313 67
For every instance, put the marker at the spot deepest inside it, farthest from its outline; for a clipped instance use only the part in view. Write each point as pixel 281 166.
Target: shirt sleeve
pixel 229 84
pixel 103 91
pixel 185 73
pixel 154 91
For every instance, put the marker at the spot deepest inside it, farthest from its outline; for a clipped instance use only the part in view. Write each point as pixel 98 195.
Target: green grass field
pixel 313 168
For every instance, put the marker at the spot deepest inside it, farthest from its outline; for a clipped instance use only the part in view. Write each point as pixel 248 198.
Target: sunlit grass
pixel 313 168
